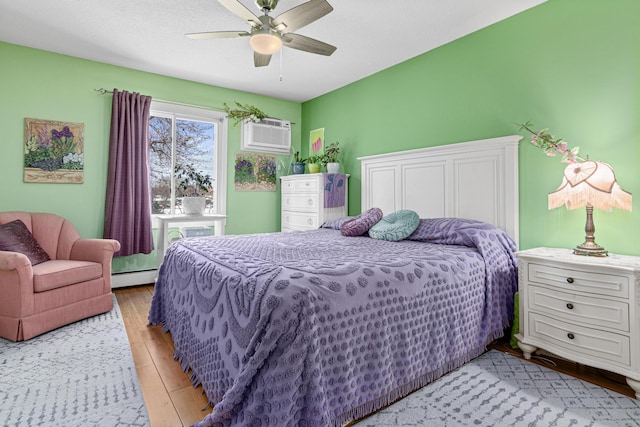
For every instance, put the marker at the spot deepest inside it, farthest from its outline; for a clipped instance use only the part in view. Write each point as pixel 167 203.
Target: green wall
pixel 44 85
pixel 567 65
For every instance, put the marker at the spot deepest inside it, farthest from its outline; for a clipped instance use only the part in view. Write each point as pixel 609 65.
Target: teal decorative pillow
pixel 396 226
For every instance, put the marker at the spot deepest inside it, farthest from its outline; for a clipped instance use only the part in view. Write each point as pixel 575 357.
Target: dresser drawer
pixel 299 221
pixel 579 309
pixel 579 340
pixel 309 185
pixel 300 202
pixel 577 280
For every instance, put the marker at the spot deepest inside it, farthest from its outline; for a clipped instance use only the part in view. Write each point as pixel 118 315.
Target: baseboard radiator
pixel 135 278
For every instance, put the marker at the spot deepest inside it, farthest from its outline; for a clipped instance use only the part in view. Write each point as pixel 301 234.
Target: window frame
pixel 177 111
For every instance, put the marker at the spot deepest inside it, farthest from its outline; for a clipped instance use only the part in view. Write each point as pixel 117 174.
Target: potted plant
pixel 297 166
pixel 330 157
pixel 315 161
pixel 193 186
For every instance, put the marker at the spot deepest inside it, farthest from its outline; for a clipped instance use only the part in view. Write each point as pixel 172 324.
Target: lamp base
pixel 590 249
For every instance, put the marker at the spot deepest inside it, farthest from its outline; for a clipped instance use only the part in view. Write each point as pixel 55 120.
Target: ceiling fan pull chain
pixel 280 64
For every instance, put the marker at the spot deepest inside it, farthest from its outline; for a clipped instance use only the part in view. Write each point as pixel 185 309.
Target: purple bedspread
pixel 315 328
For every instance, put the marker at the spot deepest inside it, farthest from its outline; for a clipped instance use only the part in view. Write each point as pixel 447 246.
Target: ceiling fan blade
pixel 260 60
pixel 217 34
pixel 301 15
pixel 241 11
pixel 296 41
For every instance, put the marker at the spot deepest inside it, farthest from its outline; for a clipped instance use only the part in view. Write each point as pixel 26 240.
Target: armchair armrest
pixel 95 250
pixel 16 284
pixel 14 261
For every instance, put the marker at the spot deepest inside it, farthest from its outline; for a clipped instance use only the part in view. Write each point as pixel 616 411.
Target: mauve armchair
pixel 74 284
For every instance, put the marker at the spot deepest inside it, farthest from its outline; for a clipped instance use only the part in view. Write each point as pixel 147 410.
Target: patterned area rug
pixel 497 389
pixel 77 375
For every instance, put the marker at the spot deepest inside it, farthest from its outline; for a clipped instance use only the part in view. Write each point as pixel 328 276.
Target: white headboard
pixel 476 180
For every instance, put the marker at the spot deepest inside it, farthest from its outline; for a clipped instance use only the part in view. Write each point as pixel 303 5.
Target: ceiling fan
pixel 268 35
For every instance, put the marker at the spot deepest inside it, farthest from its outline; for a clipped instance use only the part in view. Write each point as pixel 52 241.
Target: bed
pixel 314 328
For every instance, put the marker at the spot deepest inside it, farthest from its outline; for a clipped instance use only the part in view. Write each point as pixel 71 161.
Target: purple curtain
pixel 128 203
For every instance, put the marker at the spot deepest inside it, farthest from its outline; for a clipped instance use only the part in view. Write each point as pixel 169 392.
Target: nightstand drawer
pixel 579 340
pixel 310 185
pixel 299 221
pixel 579 309
pixel 579 280
pixel 300 202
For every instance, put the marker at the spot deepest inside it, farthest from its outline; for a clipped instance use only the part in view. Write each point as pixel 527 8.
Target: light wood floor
pixel 172 400
pixel 168 393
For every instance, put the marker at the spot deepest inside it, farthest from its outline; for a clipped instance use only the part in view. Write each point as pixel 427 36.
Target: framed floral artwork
pixel 255 172
pixel 53 151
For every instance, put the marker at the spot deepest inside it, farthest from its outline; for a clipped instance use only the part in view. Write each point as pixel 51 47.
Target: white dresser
pixel 585 309
pixel 303 202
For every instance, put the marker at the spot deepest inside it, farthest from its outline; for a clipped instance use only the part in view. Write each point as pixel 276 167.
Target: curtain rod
pixel 103 91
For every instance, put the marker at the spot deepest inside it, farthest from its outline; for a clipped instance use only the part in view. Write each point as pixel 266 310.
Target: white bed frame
pixel 476 180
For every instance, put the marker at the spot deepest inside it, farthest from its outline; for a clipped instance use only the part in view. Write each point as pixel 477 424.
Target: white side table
pixel 217 220
pixel 581 308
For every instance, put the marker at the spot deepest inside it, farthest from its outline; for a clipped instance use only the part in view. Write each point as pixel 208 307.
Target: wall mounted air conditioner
pixel 267 136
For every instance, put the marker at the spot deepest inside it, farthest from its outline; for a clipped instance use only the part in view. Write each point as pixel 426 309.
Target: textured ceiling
pixel 148 35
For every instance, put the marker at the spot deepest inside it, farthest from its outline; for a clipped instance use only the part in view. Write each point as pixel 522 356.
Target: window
pixel 187 145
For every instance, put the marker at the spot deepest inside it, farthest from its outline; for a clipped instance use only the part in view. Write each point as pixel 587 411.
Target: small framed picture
pixel 316 142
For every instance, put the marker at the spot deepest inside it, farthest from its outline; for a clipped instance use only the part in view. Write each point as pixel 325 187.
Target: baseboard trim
pixel 136 278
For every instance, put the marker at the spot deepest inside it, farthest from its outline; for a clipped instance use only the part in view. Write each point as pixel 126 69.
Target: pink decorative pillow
pixel 16 237
pixel 362 223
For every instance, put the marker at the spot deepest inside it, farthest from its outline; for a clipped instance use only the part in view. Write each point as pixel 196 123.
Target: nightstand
pixel 585 309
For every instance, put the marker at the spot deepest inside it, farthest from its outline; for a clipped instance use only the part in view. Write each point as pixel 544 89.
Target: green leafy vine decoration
pixel 244 112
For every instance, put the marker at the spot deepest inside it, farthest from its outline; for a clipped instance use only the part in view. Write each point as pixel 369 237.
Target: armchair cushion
pixel 16 237
pixel 60 273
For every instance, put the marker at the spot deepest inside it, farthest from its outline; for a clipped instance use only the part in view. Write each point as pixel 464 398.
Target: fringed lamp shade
pixel 591 184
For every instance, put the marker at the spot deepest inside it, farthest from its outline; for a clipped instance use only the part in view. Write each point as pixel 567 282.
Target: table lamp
pixel 591 184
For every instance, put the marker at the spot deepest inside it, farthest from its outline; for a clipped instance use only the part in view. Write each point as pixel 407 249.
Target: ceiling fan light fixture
pixel 267 34
pixel 266 42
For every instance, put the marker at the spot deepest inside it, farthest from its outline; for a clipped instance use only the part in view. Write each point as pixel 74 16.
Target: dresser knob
pixel 570 336
pixel 309 221
pixel 310 202
pixel 569 279
pixel 570 306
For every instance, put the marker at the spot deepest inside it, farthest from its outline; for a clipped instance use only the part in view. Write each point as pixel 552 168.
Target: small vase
pixel 193 205
pixel 333 167
pixel 297 168
pixel 314 167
